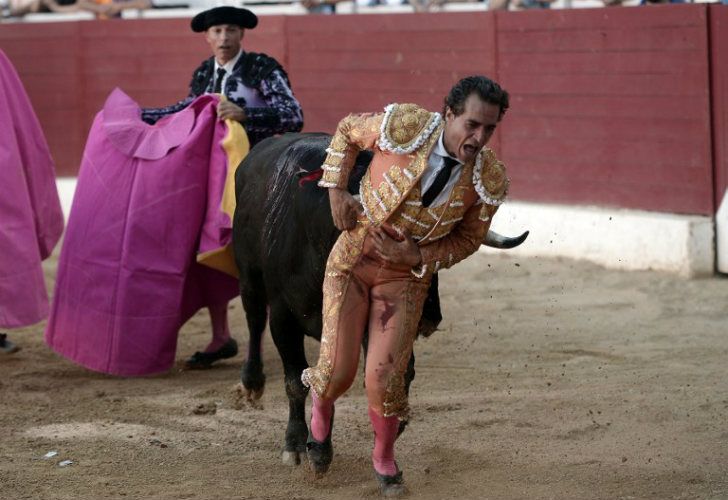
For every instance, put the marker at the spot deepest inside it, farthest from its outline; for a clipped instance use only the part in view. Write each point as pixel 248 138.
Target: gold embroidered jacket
pixel 402 138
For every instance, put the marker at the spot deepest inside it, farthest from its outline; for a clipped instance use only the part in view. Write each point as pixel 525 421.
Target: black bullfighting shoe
pixel 320 454
pixel 391 486
pixel 7 347
pixel 201 360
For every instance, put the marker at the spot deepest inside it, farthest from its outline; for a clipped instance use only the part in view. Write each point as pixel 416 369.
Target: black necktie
pixel 440 180
pixel 218 81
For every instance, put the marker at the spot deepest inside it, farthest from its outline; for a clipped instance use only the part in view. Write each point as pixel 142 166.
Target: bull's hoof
pixel 202 360
pixel 244 399
pixel 291 458
pixel 254 395
pixel 320 454
pixel 391 486
pixel 253 379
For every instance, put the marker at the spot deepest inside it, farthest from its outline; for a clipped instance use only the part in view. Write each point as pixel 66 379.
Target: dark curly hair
pixel 487 89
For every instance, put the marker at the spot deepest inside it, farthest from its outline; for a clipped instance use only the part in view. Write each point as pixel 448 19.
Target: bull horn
pixel 495 240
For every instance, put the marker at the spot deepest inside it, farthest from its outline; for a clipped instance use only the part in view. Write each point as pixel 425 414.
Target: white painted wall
pixel 66 187
pixel 612 237
pixel 721 233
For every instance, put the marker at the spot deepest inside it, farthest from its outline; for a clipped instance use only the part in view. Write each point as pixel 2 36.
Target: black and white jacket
pixel 258 84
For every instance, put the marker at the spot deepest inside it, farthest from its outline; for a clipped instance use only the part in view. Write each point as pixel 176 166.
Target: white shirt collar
pixel 228 66
pixel 440 150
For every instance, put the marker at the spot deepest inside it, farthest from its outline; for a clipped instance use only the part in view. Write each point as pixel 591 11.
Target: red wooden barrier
pixel 344 64
pixel 609 106
pixel 69 69
pixel 719 90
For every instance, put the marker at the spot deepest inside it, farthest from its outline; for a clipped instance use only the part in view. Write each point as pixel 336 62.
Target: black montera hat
pixel 224 15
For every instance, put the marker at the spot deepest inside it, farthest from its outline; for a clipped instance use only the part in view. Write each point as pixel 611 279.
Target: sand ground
pixel 550 379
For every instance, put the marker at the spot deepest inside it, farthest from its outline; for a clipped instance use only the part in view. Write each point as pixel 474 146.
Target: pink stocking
pixel 321 412
pixel 385 433
pixel 220 329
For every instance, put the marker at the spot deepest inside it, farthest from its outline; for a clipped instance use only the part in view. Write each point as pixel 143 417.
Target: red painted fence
pixel 620 107
pixel 719 93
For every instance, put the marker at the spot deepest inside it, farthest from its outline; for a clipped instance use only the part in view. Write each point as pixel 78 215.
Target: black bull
pixel 282 235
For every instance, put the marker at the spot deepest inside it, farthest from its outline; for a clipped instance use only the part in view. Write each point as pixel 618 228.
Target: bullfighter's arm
pixel 153 115
pixel 282 113
pixel 460 243
pixel 354 133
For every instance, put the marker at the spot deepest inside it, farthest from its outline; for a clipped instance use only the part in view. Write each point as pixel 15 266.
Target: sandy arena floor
pixel 550 379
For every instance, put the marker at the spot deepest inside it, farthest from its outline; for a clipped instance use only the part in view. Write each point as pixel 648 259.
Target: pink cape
pixel 31 220
pixel 127 276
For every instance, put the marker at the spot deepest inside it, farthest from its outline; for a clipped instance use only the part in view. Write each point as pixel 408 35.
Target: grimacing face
pixel 467 133
pixel 224 40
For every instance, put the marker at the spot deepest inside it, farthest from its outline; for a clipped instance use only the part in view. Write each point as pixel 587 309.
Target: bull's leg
pixel 409 376
pixel 252 293
pixel 288 337
pixel 431 312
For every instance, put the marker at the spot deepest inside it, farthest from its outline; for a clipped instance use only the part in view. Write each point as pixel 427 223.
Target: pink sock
pixel 321 411
pixel 220 329
pixel 385 434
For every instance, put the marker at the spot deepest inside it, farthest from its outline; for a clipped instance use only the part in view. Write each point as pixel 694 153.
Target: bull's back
pixel 279 211
pixel 283 227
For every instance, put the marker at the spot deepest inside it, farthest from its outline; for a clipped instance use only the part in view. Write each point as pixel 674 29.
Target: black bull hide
pixel 282 235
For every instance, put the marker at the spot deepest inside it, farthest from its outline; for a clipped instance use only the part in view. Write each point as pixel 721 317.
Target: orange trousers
pixel 362 293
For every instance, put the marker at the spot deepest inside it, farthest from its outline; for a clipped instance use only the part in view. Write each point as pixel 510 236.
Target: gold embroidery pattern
pixel 406 127
pixel 380 202
pixel 489 178
pixel 345 252
pixel 341 154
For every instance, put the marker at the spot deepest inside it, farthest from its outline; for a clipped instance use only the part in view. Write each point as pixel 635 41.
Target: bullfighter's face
pixel 468 132
pixel 224 40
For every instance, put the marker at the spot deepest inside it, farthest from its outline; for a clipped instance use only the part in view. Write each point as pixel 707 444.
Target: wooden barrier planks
pixel 719 89
pixel 611 107
pixel 345 64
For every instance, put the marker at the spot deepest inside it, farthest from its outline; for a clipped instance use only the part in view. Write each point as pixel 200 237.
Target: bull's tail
pixel 294 157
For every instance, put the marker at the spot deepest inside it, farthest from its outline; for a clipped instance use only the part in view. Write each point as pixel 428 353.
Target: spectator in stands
pixel 259 96
pixel 107 9
pixel 18 8
pixel 103 9
pixel 320 6
pixel 519 4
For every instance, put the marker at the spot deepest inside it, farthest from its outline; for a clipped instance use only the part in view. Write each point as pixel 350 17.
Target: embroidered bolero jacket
pixel 402 138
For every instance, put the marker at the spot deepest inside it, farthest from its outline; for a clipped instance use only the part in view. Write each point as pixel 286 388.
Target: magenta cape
pixel 147 201
pixel 31 220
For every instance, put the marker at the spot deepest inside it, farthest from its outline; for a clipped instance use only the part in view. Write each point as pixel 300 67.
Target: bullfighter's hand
pixel 404 251
pixel 344 209
pixel 227 109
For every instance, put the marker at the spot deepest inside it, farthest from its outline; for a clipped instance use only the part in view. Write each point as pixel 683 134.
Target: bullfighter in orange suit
pixel 426 203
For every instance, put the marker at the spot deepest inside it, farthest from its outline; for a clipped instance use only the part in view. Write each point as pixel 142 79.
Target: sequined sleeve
pixel 282 113
pixel 353 134
pixel 152 115
pixel 460 243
